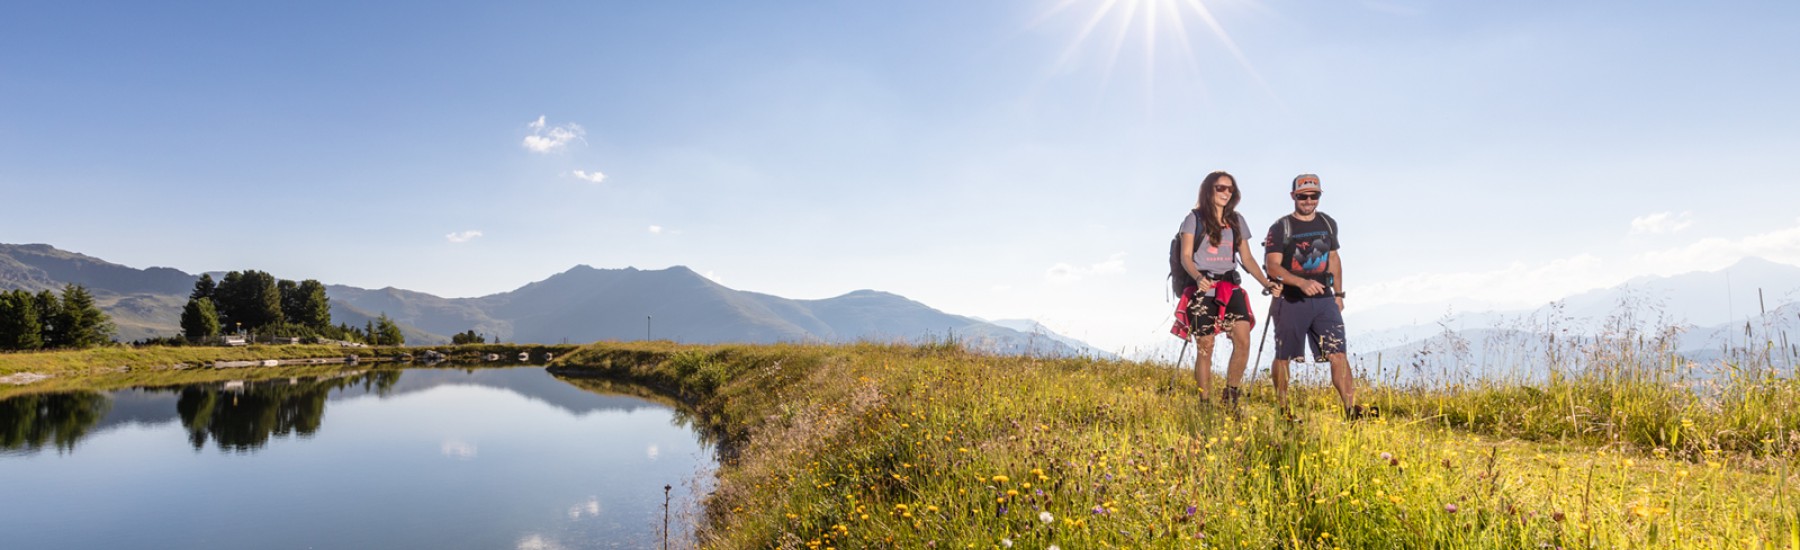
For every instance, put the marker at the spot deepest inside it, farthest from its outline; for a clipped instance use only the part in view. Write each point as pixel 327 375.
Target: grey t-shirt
pixel 1217 258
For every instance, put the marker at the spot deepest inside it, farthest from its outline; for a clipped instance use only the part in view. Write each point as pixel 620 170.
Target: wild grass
pixel 864 446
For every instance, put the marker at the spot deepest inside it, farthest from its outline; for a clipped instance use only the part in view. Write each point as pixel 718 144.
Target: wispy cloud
pixel 656 230
pixel 1064 273
pixel 1781 245
pixel 462 236
pixel 1661 223
pixel 590 177
pixel 547 139
pixel 653 452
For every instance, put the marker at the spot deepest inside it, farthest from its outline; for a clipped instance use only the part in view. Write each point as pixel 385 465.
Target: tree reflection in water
pixel 29 421
pixel 242 416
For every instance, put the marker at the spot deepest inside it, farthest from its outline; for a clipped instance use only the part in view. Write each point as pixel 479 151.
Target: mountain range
pixel 1707 314
pixel 583 304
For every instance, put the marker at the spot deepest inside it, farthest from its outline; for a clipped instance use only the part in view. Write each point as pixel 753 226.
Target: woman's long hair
pixel 1211 225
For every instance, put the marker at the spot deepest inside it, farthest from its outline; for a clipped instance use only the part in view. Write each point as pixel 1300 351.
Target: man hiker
pixel 1214 240
pixel 1301 252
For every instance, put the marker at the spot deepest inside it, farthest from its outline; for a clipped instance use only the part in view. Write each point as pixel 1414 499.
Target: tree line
pixel 48 321
pixel 256 302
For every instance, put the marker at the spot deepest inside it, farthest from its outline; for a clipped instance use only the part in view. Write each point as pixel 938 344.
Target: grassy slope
pixel 877 446
pixel 119 367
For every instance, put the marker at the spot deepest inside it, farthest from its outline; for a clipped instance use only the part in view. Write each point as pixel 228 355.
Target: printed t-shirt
pixel 1216 258
pixel 1307 254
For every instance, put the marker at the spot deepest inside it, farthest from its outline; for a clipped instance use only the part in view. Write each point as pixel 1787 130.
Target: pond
pixel 387 458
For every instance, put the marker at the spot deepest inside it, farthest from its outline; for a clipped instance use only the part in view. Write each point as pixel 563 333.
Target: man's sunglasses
pixel 1308 197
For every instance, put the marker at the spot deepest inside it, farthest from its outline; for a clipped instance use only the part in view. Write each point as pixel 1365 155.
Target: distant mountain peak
pixel 1760 264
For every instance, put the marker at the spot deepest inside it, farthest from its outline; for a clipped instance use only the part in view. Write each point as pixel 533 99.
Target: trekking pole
pixel 1175 371
pixel 1260 342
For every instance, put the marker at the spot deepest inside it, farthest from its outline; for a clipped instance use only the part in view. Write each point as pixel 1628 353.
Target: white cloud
pixel 653 452
pixel 1063 273
pixel 656 230
pixel 458 449
pixel 546 139
pixel 462 236
pixel 590 177
pixel 590 508
pixel 1112 265
pixel 1661 222
pixel 713 276
pixel 1781 245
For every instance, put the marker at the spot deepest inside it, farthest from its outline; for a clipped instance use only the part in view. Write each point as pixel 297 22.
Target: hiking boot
pixel 1231 395
pixel 1288 415
pixel 1359 412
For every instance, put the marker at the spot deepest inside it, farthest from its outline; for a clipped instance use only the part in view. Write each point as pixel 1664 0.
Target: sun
pixel 1154 24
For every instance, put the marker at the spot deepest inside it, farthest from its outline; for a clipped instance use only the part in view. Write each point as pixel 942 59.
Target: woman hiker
pixel 1214 241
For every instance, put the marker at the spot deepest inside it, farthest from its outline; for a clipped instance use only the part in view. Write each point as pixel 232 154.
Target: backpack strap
pixel 1287 231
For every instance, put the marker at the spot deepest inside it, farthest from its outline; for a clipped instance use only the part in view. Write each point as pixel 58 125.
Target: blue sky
pixel 1002 159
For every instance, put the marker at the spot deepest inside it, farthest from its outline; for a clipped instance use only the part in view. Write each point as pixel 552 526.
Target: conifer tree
pixel 311 306
pixel 388 333
pixel 204 288
pixel 83 325
pixel 19 326
pixel 49 314
pixel 199 320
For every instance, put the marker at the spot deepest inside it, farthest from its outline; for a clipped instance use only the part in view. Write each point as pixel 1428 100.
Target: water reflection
pixel 494 458
pixel 242 416
pixel 242 419
pixel 29 422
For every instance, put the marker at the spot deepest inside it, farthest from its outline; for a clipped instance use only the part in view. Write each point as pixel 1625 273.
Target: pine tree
pixel 83 324
pixel 49 314
pixel 199 319
pixel 249 300
pixel 19 326
pixel 388 333
pixel 288 293
pixel 204 288
pixel 312 307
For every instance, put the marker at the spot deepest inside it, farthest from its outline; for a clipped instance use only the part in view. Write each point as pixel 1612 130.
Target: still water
pixel 420 458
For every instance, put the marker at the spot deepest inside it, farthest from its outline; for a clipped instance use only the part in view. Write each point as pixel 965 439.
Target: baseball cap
pixel 1306 182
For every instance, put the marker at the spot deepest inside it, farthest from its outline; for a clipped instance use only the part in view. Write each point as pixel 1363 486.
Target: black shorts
pixel 1314 318
pixel 1208 318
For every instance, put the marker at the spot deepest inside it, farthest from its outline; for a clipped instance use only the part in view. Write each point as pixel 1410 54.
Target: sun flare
pixel 1153 25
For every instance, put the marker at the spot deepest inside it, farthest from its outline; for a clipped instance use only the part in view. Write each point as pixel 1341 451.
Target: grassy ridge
pixel 878 446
